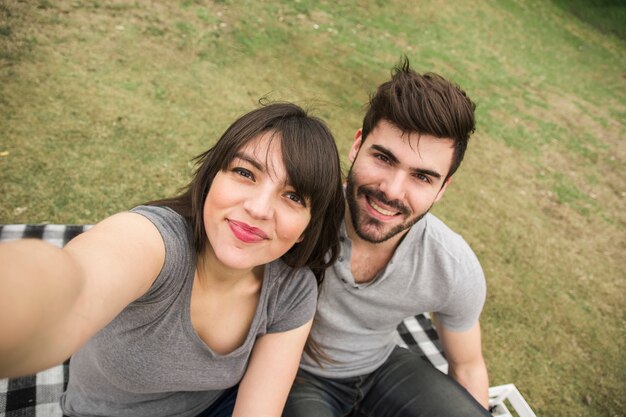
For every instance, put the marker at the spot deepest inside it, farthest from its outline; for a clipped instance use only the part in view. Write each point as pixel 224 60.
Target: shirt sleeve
pixel 179 253
pixel 294 301
pixel 463 307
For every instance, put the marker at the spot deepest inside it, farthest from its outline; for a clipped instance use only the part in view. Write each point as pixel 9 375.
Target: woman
pixel 183 307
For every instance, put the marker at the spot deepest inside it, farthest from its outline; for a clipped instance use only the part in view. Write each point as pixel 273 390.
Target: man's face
pixel 394 180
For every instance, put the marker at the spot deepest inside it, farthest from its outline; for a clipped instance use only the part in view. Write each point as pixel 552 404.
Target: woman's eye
pixel 296 198
pixel 243 172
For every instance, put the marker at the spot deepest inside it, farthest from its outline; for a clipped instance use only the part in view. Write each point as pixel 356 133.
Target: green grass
pixel 102 104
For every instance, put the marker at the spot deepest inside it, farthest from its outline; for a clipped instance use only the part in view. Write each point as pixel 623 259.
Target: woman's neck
pixel 213 274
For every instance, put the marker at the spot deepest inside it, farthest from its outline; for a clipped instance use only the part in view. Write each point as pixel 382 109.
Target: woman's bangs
pixel 307 166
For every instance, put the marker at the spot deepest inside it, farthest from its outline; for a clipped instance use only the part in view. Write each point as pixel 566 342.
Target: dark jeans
pixel 404 386
pixel 223 406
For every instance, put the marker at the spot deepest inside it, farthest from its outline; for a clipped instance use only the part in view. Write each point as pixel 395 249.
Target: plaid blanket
pixel 38 395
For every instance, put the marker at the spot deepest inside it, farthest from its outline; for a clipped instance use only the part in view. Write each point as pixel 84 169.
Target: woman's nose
pixel 260 204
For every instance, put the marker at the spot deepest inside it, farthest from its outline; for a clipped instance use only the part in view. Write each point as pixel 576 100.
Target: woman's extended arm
pixel 273 365
pixel 53 300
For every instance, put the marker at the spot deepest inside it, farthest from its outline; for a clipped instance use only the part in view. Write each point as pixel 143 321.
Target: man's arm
pixel 465 361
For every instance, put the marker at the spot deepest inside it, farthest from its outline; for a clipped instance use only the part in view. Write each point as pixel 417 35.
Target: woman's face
pixel 252 215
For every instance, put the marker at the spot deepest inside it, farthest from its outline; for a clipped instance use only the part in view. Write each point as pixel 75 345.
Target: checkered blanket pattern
pixel 38 395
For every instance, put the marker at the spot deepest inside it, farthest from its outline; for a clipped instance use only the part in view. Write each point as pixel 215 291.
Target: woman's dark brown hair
pixel 313 169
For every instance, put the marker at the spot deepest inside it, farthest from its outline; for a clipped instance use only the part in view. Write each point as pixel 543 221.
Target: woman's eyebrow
pixel 252 161
pixel 258 165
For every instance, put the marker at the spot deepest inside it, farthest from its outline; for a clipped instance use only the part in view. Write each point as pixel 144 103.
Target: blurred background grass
pixel 103 103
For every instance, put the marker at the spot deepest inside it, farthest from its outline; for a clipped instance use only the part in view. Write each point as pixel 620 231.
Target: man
pixel 398 260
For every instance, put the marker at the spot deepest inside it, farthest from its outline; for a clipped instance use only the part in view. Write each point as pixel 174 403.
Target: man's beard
pixel 376 233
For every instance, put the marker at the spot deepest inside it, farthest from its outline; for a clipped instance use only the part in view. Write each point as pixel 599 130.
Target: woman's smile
pixel 246 233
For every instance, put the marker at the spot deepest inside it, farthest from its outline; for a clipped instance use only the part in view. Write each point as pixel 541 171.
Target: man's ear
pixel 443 189
pixel 356 145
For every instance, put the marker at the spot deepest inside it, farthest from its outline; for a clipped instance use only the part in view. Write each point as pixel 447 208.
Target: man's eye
pixel 422 177
pixel 381 157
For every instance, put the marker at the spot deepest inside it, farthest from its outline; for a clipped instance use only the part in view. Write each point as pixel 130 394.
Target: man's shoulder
pixel 437 235
pixel 434 227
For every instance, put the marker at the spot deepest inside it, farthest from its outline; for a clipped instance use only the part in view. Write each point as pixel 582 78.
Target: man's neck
pixel 367 258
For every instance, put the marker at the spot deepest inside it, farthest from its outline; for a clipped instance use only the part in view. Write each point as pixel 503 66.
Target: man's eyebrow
pixel 392 158
pixel 252 161
pixel 386 152
pixel 427 172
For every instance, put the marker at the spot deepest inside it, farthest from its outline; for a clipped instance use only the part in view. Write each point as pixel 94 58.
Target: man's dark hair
pixel 425 104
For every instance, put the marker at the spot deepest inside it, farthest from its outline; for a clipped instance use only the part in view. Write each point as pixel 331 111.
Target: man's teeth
pixel 380 209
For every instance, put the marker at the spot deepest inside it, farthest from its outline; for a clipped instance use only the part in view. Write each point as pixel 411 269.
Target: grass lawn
pixel 103 103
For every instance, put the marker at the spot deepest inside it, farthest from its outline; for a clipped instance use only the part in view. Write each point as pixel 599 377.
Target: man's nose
pixel 394 186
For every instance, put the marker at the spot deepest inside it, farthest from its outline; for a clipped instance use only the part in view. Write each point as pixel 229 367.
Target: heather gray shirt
pixel 432 270
pixel 150 362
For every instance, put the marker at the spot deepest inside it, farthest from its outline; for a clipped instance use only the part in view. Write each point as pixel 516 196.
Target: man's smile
pixel 385 212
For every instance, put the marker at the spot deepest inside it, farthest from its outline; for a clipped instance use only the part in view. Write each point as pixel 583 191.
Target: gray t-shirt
pixel 432 270
pixel 149 361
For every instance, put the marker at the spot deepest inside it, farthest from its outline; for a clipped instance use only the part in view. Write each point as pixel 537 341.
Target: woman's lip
pixel 245 232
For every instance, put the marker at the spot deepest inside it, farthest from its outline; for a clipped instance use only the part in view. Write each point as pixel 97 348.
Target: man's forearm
pixel 475 380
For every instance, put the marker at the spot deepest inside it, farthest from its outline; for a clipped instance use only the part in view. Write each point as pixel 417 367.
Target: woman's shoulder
pixel 179 251
pixel 169 223
pixel 292 296
pixel 283 277
pixel 162 214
